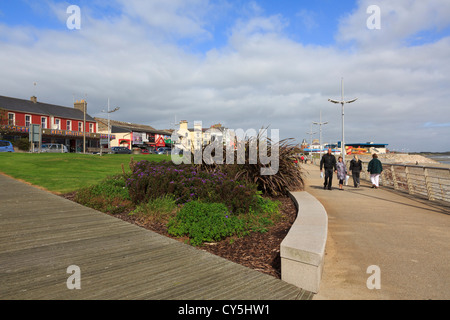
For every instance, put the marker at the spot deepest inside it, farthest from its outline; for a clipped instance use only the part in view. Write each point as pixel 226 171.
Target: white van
pixel 54 148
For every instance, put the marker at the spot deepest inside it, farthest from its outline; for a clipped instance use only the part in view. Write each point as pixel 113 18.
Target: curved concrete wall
pixel 302 251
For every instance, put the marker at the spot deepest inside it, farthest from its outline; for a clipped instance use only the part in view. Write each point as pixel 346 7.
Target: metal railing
pixel 432 183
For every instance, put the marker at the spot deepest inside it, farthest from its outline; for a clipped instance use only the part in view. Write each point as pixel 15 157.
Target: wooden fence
pixel 432 183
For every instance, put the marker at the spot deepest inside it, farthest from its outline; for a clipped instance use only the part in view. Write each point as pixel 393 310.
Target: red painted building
pixel 59 124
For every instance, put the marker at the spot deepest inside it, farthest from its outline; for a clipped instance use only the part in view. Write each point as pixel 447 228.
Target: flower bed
pixel 202 206
pixel 228 210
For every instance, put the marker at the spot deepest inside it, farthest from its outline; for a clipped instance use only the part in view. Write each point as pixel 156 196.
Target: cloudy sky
pixel 245 64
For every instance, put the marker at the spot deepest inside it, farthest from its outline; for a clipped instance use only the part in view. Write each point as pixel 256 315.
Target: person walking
pixel 328 162
pixel 356 168
pixel 341 170
pixel 375 168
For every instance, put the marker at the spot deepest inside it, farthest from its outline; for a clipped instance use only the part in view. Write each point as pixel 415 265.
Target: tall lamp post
pixel 109 127
pixel 311 133
pixel 84 127
pixel 342 102
pixel 320 124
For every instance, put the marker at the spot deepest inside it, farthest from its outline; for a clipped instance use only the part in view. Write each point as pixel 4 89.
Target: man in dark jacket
pixel 328 162
pixel 356 168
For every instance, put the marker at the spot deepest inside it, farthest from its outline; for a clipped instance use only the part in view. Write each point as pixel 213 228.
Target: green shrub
pixel 22 144
pixel 205 222
pixel 263 216
pixel 111 195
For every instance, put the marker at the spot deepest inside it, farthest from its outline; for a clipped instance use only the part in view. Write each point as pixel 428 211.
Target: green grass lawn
pixel 63 173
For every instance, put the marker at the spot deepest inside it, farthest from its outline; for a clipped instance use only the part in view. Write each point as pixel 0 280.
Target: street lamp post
pixel 109 127
pixel 342 102
pixel 84 127
pixel 320 124
pixel 311 133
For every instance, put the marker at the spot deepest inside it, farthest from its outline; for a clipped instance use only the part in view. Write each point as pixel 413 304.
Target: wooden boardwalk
pixel 41 235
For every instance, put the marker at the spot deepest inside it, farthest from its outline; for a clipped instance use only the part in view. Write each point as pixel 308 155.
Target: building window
pixel 91 127
pixel 44 122
pixel 69 125
pixel 27 120
pixel 80 126
pixel 11 119
pixel 58 124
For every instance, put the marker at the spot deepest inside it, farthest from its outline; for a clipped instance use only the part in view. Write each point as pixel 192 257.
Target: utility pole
pixel 342 102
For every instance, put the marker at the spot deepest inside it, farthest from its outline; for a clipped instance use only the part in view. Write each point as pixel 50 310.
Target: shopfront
pixel 73 140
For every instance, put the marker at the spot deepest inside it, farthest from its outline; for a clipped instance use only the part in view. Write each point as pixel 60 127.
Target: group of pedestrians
pixel 329 164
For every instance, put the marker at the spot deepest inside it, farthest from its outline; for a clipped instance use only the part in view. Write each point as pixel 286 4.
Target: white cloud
pixel 181 18
pixel 259 78
pixel 401 21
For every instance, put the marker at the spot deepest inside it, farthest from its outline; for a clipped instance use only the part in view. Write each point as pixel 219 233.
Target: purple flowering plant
pixel 151 180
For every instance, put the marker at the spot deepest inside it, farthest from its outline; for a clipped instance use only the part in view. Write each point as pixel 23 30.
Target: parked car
pixel 54 148
pixel 145 150
pixel 164 150
pixel 120 150
pixel 6 146
pixel 148 151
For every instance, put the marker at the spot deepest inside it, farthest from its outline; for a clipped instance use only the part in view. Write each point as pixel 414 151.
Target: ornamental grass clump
pixel 288 177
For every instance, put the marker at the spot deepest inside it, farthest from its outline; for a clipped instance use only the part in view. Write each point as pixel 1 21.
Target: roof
pixel 367 144
pixel 121 126
pixel 28 106
pixel 318 150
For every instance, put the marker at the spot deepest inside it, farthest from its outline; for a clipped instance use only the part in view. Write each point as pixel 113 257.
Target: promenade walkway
pixel 407 238
pixel 41 235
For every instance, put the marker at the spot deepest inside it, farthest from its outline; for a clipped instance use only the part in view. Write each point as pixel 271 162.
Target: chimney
pixel 80 105
pixel 184 125
pixel 33 99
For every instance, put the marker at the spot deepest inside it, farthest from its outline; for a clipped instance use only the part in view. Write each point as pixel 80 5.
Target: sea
pixel 442 158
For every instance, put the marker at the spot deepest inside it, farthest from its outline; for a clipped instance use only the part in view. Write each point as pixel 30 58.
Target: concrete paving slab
pixel 407 238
